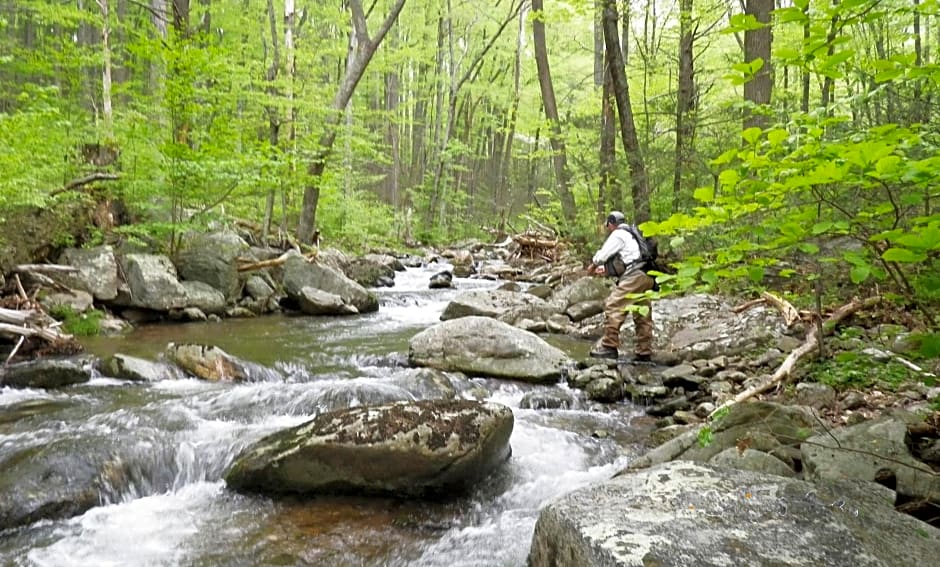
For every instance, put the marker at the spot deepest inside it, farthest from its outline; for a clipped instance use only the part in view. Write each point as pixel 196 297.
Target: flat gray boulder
pixel 210 259
pixel 684 513
pixel 153 283
pixel 403 449
pixel 488 303
pixel 484 346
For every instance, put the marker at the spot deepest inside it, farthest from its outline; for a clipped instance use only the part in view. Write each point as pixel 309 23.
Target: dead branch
pixel 790 314
pixel 48 334
pixel 247 265
pixel 811 342
pixel 20 317
pixel 82 181
pixel 46 268
pixel 747 305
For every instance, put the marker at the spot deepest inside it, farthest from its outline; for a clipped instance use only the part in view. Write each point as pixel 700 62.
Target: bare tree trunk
pixel 392 135
pixel 559 154
pixel 828 82
pixel 804 99
pixel 368 47
pixel 757 45
pixel 631 145
pixel 502 198
pixel 107 113
pixel 685 101
pixel 274 121
pixel 609 194
pixel 919 114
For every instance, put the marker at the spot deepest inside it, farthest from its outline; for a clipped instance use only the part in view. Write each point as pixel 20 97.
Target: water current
pixel 178 437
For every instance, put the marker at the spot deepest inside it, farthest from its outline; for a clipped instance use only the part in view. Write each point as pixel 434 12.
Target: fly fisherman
pixel 620 258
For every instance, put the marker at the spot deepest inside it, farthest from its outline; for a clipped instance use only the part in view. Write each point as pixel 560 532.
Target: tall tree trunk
pixel 503 198
pixel 685 101
pixel 609 195
pixel 828 81
pixel 631 145
pixel 274 121
pixel 559 155
pixel 392 135
pixel 757 45
pixel 316 167
pixel 107 113
pixel 919 114
pixel 804 98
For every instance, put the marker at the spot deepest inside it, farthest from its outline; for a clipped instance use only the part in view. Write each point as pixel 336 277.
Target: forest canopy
pixel 763 140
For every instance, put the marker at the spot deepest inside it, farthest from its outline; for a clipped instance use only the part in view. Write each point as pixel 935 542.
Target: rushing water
pixel 178 437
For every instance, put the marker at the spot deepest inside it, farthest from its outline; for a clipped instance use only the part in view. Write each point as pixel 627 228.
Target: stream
pixel 178 437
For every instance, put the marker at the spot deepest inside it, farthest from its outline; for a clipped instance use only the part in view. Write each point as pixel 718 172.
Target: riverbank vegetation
pixel 786 146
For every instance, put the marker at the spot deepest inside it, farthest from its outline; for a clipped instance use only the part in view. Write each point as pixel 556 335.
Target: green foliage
pixel 849 370
pixel 705 436
pixel 85 324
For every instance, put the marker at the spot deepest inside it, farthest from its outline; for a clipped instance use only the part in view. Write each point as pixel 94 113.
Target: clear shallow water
pixel 178 437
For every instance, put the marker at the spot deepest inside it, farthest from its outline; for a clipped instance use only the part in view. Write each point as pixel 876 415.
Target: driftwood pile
pixel 24 322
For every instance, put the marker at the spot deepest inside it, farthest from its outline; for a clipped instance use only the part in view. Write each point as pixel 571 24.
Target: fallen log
pixel 45 268
pixel 47 333
pixel 811 343
pixel 245 265
pixel 20 316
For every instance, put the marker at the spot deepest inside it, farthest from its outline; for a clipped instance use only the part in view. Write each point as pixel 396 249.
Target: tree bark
pixel 631 145
pixel 354 72
pixel 757 45
pixel 609 196
pixel 274 122
pixel 685 101
pixel 549 104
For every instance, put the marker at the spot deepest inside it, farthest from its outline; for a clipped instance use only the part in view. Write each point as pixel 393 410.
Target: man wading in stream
pixel 621 257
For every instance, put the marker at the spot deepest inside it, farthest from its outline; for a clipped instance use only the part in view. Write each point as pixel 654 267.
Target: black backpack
pixel 649 252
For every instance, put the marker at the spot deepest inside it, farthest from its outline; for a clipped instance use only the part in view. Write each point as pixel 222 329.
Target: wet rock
pixel 405 449
pixel 605 390
pixel 815 395
pixel 54 481
pixel 136 369
pixel 47 372
pixel 76 300
pixel 152 283
pixel 441 280
pixel 214 364
pixel 690 514
pixel 547 399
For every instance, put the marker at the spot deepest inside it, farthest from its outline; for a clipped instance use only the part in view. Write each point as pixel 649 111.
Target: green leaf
pixel 743 22
pixel 808 248
pixel 751 135
pixel 729 178
pixel 903 256
pixel 821 227
pixel 777 136
pixel 858 274
pixel 755 273
pixel 704 194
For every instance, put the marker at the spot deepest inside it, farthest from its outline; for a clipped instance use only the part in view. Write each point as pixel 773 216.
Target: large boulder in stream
pixel 97 271
pixel 299 274
pixel 47 372
pixel 56 480
pixel 484 346
pixel 684 513
pixel 406 449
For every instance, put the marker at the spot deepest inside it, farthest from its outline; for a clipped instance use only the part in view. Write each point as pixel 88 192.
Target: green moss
pixel 85 324
pixel 853 370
